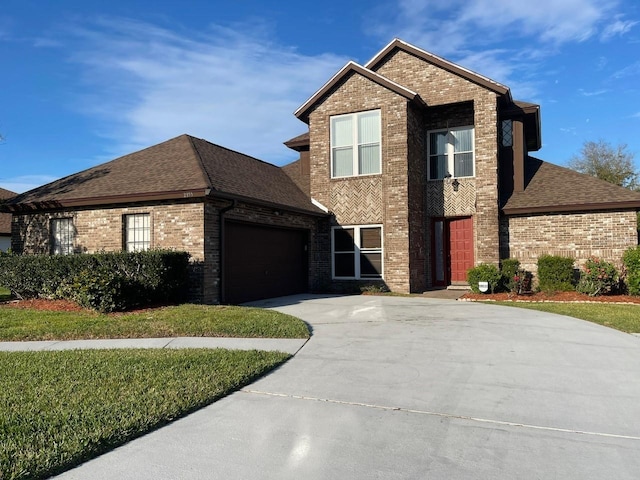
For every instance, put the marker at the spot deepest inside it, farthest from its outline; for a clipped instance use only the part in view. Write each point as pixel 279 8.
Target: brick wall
pixel 179 226
pixel 374 199
pixel 191 227
pixel 604 235
pixel 455 101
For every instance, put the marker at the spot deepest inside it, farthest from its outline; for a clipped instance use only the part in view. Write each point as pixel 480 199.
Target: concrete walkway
pixel 290 346
pixel 414 388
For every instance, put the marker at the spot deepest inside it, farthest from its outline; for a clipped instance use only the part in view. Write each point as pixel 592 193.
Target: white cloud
pixel 518 36
pixel 594 93
pixel 148 84
pixel 628 71
pixel 617 27
pixel 23 183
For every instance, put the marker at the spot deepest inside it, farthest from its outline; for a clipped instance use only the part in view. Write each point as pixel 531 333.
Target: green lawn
pixel 620 317
pixel 182 320
pixel 58 409
pixel 4 294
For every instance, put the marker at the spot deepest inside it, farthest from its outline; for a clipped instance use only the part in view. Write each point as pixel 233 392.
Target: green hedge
pixel 555 273
pixel 631 260
pixel 509 268
pixel 484 272
pixel 103 281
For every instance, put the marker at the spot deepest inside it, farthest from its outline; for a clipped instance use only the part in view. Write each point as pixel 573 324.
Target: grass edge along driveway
pixel 61 408
pixel 18 324
pixel 622 317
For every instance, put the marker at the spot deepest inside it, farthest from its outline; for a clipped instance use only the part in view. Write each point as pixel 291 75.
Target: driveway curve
pixel 408 387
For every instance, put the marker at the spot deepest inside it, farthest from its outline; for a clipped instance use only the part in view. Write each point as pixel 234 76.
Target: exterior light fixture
pixel 455 184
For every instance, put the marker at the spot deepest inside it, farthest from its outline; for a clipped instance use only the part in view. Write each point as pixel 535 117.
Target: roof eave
pixel 265 203
pixel 578 207
pixel 29 207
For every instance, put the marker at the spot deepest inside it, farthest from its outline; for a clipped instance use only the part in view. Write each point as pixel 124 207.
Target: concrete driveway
pixel 414 388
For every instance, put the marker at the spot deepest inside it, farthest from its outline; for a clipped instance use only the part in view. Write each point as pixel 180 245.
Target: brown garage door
pixel 263 262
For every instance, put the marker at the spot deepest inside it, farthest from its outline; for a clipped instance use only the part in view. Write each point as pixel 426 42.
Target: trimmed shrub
pixel 631 260
pixel 522 282
pixel 598 278
pixel 484 272
pixel 102 281
pixel 509 268
pixel 555 273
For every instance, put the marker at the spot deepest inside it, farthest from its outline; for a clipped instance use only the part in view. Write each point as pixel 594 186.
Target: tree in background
pixel 613 164
pixel 606 162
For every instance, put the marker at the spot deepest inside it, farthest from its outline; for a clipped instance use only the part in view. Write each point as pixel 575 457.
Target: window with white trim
pixel 451 153
pixel 355 144
pixel 137 232
pixel 357 252
pixel 63 235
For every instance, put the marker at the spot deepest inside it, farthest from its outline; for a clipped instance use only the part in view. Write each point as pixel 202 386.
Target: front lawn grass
pixel 620 317
pixel 60 408
pixel 182 320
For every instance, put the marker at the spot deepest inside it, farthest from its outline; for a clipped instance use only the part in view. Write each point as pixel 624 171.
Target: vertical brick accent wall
pixel 604 235
pixel 370 199
pixel 417 175
pixel 439 87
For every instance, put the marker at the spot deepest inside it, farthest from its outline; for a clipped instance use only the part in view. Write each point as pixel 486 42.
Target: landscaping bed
pixel 572 296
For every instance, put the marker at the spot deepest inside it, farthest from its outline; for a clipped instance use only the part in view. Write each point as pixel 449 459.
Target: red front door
pixel 452 250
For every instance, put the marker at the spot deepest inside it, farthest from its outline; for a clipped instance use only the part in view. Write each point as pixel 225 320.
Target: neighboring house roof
pixel 5 218
pixel 351 67
pixel 183 167
pixel 550 188
pixel 470 75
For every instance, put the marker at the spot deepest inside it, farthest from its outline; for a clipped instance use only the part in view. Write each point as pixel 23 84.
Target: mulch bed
pixel 44 304
pixel 573 297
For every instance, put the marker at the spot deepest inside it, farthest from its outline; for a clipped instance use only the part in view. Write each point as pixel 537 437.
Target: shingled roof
pixel 550 188
pixel 5 218
pixel 183 167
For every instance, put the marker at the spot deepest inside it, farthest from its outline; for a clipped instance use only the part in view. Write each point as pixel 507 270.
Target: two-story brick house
pixel 425 167
pixel 413 170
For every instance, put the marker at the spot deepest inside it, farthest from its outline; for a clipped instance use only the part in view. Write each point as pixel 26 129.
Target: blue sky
pixel 84 82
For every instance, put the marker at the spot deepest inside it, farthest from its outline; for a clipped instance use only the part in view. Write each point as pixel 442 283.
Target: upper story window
pixel 451 153
pixel 355 144
pixel 506 133
pixel 137 232
pixel 62 236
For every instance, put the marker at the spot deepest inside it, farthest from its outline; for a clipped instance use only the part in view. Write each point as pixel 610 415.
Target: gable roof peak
pixel 350 67
pixel 441 62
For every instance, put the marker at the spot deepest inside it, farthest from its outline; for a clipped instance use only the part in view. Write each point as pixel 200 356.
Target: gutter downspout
pixel 222 213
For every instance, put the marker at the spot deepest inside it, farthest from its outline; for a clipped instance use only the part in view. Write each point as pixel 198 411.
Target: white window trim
pixel 357 251
pixel 354 143
pixel 63 250
pixel 450 152
pixel 125 219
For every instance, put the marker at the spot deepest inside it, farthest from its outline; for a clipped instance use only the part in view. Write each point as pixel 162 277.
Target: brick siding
pixel 190 227
pixel 604 235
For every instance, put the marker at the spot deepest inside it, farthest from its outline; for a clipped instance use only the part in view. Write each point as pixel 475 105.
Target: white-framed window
pixel 451 153
pixel 355 144
pixel 63 234
pixel 357 252
pixel 137 232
